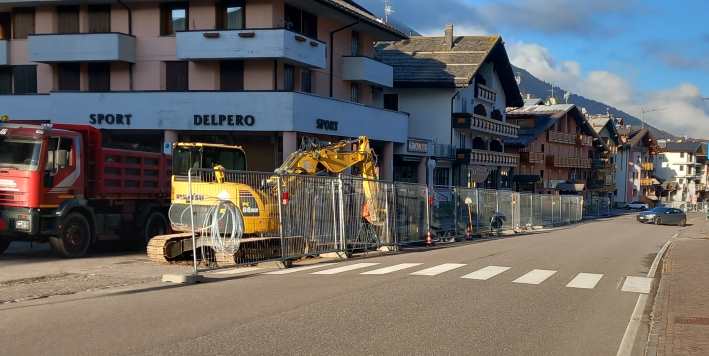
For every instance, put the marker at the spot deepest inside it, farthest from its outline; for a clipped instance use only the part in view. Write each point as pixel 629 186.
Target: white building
pixel 682 167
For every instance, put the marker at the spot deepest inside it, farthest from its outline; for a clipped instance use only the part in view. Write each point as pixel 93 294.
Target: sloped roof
pixel 423 62
pixel 352 8
pixel 533 101
pixel 599 122
pixel 545 116
pixel 691 147
pixel 637 136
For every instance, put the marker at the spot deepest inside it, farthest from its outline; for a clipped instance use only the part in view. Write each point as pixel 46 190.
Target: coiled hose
pixel 223 226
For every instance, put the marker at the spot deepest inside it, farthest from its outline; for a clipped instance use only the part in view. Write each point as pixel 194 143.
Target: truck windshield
pixel 18 153
pixel 185 158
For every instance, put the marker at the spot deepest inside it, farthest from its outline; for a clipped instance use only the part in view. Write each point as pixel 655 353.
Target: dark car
pixel 663 216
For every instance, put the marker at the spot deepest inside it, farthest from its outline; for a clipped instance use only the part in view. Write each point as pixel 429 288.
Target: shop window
pixel 354 44
pixel 22 22
pixel 5 81
pixel 306 81
pixel 5 20
pixel 391 102
pixel 25 79
pixel 231 15
pixel 288 77
pixel 99 76
pixel 99 18
pixel 231 75
pixel 301 21
pixel 176 76
pixel 174 17
pixel 69 76
pixel 68 19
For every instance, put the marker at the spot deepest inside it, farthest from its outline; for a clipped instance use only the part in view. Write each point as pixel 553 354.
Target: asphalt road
pixel 350 313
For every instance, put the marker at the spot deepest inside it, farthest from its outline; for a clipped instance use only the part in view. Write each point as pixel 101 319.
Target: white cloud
pixel 459 30
pixel 681 110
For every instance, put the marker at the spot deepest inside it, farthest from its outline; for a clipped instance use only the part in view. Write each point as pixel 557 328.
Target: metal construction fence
pixel 248 217
pixel 597 206
pixel 700 207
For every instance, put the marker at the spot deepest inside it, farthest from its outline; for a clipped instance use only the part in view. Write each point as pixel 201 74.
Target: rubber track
pixel 156 247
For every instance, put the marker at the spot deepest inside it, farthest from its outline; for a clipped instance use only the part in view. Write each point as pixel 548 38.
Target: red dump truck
pixel 59 184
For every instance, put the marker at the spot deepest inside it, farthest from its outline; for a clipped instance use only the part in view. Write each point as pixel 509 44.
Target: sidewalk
pixel 680 316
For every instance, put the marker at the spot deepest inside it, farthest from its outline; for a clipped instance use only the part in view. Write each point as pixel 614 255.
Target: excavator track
pixel 159 247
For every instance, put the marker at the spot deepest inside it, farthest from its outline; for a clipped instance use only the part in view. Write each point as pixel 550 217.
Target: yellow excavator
pixel 210 182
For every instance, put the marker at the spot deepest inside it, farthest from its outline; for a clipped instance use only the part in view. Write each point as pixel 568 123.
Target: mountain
pixel 529 84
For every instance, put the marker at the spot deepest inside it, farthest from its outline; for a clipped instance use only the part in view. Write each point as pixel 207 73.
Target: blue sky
pixel 636 55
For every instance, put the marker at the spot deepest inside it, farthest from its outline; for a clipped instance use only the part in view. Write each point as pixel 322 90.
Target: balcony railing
pixel 82 47
pixel 486 94
pixel 4 52
pixel 561 137
pixel 585 140
pixel 487 158
pixel 483 124
pixel 601 164
pixel 367 70
pixel 646 182
pixel 532 157
pixel 647 166
pixel 443 151
pixel 569 162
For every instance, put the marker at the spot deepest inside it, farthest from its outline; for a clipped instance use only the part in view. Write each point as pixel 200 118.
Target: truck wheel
pixel 155 225
pixel 4 244
pixel 74 237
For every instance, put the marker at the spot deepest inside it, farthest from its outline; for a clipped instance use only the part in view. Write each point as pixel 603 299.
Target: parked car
pixel 663 216
pixel 638 205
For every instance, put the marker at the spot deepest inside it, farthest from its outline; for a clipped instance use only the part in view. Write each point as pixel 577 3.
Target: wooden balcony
pixel 486 94
pixel 483 124
pixel 569 162
pixel 532 157
pixel 647 166
pixel 646 182
pixel 584 140
pixel 561 137
pixel 487 158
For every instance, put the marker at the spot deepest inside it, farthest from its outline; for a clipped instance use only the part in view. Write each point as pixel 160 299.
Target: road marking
pixel 434 271
pixel 393 268
pixel 486 273
pixel 346 268
pixel 300 269
pixel 637 284
pixel 585 281
pixel 535 276
pixel 238 270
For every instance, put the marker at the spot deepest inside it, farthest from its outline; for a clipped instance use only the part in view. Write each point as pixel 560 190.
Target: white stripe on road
pixel 486 273
pixel 585 281
pixel 434 271
pixel 535 276
pixel 346 268
pixel 299 269
pixel 238 270
pixel 393 268
pixel 637 284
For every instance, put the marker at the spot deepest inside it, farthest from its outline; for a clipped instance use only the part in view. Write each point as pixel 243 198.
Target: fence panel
pixel 488 207
pixel 443 212
pixel 505 206
pixel 526 210
pixel 467 211
pixel 412 219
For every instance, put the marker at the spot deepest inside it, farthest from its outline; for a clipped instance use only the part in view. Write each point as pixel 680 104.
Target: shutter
pixel 25 79
pixel 22 22
pixel 99 18
pixel 5 20
pixel 68 19
pixel 5 81
pixel 99 76
pixel 231 76
pixel 176 76
pixel 69 76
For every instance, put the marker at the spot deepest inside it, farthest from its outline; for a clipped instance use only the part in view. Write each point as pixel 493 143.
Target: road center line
pixel 346 268
pixel 393 268
pixel 300 269
pixel 433 271
pixel 637 284
pixel 486 273
pixel 585 281
pixel 535 276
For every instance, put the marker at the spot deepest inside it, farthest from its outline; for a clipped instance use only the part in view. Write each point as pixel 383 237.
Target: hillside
pixel 541 89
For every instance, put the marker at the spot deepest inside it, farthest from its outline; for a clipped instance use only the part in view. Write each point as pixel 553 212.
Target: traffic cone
pixel 429 239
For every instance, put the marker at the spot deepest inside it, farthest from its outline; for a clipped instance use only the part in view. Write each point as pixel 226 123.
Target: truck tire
pixel 4 244
pixel 74 237
pixel 155 225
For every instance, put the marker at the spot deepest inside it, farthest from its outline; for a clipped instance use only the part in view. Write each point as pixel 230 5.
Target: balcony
pixel 560 137
pixel 264 111
pixel 81 47
pixel 367 70
pixel 647 166
pixel 584 140
pixel 646 182
pixel 252 44
pixel 4 53
pixel 532 157
pixel 569 162
pixel 475 122
pixel 443 151
pixel 486 94
pixel 601 164
pixel 487 158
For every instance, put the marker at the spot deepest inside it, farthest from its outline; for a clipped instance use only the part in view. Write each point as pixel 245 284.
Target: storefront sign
pixel 224 120
pixel 327 125
pixel 417 146
pixel 110 119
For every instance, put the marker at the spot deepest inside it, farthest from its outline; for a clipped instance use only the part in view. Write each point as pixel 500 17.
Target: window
pixel 25 79
pixel 173 17
pixel 681 168
pixel 176 76
pixel 541 174
pixel 391 102
pixel 288 77
pixel 54 146
pixel 68 76
pixel 306 81
pixel 99 18
pixel 99 76
pixel 301 21
pixel 68 19
pixel 5 20
pixel 231 15
pixel 22 22
pixel 355 43
pixel 231 75
pixel 354 93
pixel 440 176
pixel 5 81
pixel 681 181
pixel 543 148
pixel 377 94
pixel 681 155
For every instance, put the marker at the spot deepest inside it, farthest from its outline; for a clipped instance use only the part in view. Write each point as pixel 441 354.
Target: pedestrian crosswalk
pixel 582 280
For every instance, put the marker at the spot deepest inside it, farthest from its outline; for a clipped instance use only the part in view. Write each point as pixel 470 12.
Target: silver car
pixel 663 216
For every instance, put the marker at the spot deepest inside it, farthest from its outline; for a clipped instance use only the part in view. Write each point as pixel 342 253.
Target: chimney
pixel 449 36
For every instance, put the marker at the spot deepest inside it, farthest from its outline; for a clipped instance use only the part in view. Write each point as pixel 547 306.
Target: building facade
pixel 602 181
pixel 682 168
pixel 265 74
pixel 556 148
pixel 456 89
pixel 634 166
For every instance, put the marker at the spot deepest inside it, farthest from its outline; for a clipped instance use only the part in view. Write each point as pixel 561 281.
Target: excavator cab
pixel 188 156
